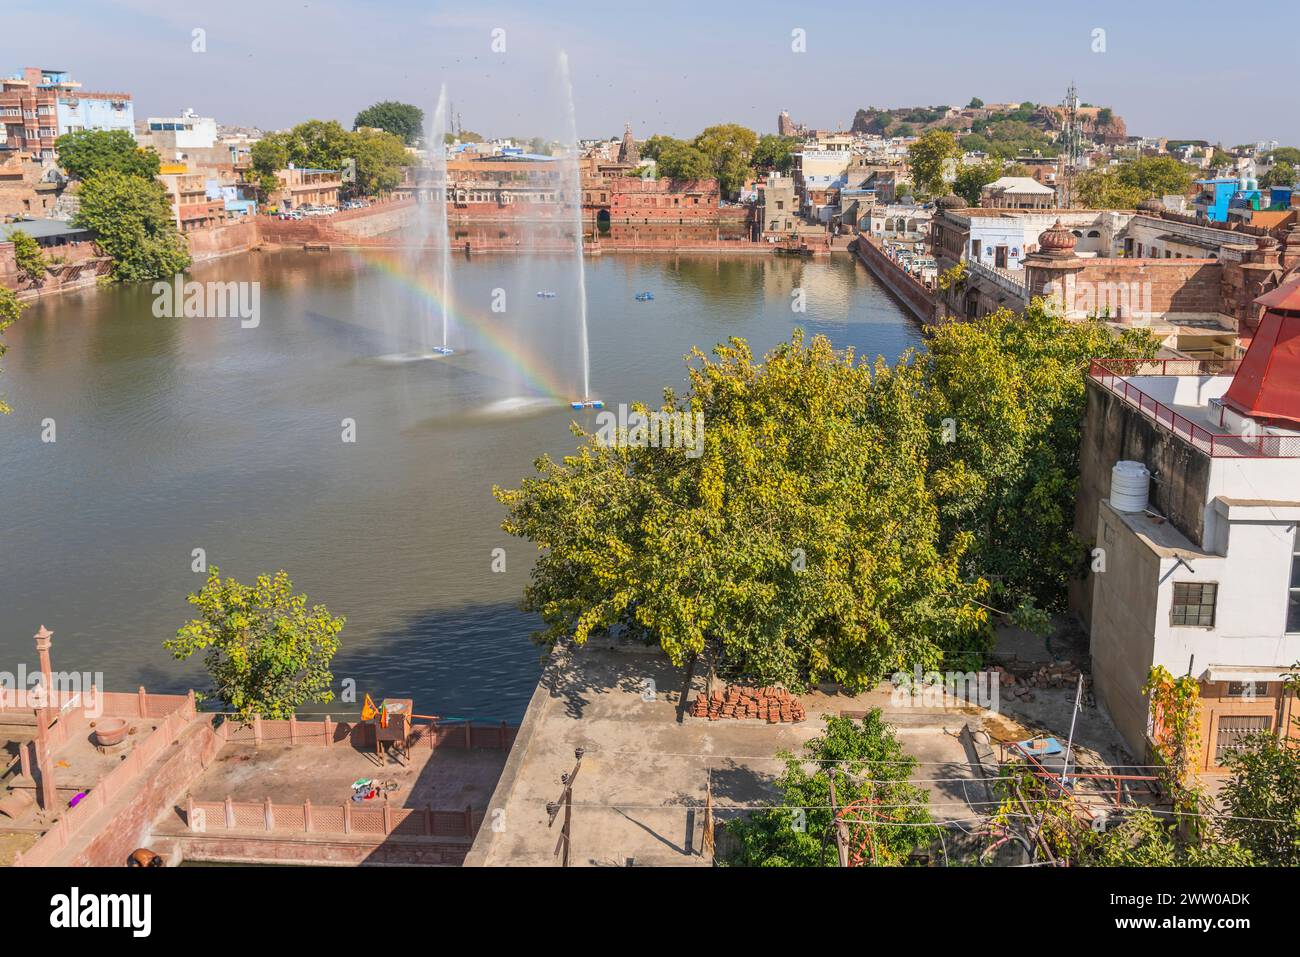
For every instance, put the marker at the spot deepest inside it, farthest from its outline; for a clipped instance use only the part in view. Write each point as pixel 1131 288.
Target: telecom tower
pixel 1071 144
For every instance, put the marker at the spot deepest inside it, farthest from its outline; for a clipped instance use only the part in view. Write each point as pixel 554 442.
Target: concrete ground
pixel 445 779
pixel 640 793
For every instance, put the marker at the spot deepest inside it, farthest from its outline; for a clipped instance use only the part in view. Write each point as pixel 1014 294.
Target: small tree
pixel 870 767
pixel 266 652
pixel 10 309
pixel 1263 799
pixel 927 156
pixel 28 255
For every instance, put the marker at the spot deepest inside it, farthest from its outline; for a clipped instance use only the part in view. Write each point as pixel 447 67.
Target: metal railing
pixel 1113 374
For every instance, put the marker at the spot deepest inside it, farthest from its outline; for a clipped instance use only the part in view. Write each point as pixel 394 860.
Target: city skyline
pixel 273 67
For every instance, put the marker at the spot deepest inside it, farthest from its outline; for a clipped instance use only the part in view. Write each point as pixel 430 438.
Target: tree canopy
pixel 729 149
pixel 1126 185
pixel 774 152
pixel 678 160
pixel 87 152
pixel 401 119
pixel 973 177
pixel 844 519
pixel 131 218
pixel 266 652
pixel 927 157
pixel 322 144
pixel 870 765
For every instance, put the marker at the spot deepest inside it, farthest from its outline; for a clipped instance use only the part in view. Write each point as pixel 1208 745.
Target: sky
pixel 1184 70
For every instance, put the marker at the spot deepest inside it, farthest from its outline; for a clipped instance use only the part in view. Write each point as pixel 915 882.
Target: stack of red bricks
pixel 773 705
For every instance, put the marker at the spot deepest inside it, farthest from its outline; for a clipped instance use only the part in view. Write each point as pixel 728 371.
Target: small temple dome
pixel 1151 205
pixel 1057 241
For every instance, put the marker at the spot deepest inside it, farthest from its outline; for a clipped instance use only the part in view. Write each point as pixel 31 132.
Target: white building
pixel 188 131
pixel 1205 579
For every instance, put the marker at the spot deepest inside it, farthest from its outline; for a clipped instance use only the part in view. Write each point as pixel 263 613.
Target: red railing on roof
pixel 1113 374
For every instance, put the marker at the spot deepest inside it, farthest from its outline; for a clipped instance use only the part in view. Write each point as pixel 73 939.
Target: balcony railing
pixel 1113 374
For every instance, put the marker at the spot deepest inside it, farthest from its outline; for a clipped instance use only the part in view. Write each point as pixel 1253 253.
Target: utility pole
pixel 553 808
pixel 841 829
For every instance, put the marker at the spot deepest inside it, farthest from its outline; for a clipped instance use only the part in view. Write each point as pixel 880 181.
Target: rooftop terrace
pixel 1185 396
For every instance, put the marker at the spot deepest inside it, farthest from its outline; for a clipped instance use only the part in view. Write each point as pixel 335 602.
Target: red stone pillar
pixel 43 643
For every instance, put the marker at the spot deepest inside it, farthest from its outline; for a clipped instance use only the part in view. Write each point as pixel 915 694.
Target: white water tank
pixel 1130 483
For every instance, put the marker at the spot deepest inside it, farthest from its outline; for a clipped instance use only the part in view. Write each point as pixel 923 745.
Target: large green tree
pixel 131 218
pixel 1126 185
pixel 401 119
pixel 678 160
pixel 775 152
pixel 1006 397
pixel 802 543
pixel 1282 174
pixel 871 766
pixel 320 144
pixel 266 652
pixel 927 157
pixel 85 153
pixel 729 148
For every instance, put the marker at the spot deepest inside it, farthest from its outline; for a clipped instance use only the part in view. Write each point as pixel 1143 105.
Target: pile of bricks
pixel 773 705
pixel 1023 678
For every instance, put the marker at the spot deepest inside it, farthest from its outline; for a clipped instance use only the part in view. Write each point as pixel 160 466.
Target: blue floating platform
pixel 579 404
pixel 441 351
pixel 545 295
pixel 644 296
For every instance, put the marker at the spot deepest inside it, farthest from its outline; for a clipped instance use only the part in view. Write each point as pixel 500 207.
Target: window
pixel 1193 605
pixel 1293 598
pixel 1234 731
pixel 1247 689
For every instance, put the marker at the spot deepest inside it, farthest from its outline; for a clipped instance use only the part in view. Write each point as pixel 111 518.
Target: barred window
pixel 1193 604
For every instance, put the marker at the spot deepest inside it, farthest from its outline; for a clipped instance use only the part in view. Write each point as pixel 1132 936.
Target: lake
pixel 197 433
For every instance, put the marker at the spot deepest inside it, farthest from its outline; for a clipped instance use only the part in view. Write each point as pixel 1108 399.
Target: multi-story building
pixel 307 187
pixel 1196 565
pixel 777 205
pixel 1017 192
pixel 37 106
pixel 187 190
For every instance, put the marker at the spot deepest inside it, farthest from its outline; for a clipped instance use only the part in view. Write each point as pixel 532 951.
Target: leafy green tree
pixel 401 119
pixel 678 160
pixel 266 652
pixel 928 155
pixel 1282 174
pixel 319 144
pixel 729 148
pixel 1262 799
pixel 1102 189
pixel 131 218
pixel 380 158
pixel 10 309
pixel 975 103
pixel 655 145
pixel 27 253
pixel 870 766
pixel 1126 185
pixel 973 177
pixel 85 153
pixel 1285 154
pixel 775 152
pixel 797 541
pixel 1012 389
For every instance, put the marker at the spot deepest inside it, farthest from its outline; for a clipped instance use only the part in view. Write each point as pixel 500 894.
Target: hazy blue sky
pixel 1188 70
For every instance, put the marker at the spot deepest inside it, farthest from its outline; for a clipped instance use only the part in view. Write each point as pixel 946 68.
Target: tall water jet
pixel 575 185
pixel 439 194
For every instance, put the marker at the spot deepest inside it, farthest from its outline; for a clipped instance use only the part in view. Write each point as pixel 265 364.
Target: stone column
pixel 43 643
